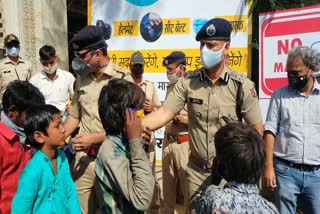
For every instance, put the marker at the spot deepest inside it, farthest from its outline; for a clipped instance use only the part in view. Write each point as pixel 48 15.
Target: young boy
pixel 122 166
pixel 14 154
pixel 240 161
pixel 45 185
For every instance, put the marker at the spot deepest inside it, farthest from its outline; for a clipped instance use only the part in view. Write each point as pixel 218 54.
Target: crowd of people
pixel 216 149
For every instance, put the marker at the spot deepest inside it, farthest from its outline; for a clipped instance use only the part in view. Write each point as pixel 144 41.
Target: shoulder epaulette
pixel 192 74
pixel 240 77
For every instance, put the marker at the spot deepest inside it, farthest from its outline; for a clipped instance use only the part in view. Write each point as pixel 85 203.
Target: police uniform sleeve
pixel 155 97
pixel 75 106
pixel 250 107
pixel 177 98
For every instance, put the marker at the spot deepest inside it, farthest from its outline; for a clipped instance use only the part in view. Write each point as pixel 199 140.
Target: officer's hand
pixel 182 119
pixel 133 127
pixel 146 135
pixel 270 177
pixel 147 106
pixel 82 141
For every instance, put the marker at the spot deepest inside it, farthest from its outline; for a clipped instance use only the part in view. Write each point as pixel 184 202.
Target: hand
pixel 67 109
pixel 147 136
pixel 154 19
pixel 270 177
pixel 182 119
pixel 82 141
pixel 147 106
pixel 133 128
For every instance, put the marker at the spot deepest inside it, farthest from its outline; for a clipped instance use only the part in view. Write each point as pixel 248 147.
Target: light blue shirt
pixel 41 191
pixel 294 119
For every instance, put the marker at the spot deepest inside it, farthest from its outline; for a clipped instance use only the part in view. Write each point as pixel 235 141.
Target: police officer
pixel 210 94
pixel 13 67
pixel 94 70
pixel 175 150
pixel 151 103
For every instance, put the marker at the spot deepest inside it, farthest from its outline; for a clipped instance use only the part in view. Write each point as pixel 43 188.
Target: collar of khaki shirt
pixel 8 61
pixel 224 76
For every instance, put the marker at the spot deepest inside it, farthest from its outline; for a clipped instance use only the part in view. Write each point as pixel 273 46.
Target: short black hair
pixel 46 52
pixel 38 119
pixel 240 153
pixel 114 98
pixel 22 95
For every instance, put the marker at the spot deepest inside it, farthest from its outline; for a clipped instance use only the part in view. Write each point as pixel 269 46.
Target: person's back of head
pixel 38 119
pixel 18 97
pixel 114 98
pixel 240 153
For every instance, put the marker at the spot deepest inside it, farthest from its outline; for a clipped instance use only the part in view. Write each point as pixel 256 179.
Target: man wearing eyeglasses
pixel 13 67
pixel 94 70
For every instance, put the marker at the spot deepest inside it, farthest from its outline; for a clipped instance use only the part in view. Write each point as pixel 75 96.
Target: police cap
pixel 215 29
pixel 10 38
pixel 174 57
pixel 137 58
pixel 89 37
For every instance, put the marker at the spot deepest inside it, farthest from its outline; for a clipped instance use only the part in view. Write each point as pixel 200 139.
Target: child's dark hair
pixel 38 119
pixel 240 153
pixel 22 95
pixel 114 98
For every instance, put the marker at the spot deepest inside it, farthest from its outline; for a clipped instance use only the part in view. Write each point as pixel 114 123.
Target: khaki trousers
pixel 84 177
pixel 174 163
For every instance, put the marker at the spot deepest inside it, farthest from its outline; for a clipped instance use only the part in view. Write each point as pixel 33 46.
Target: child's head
pixel 240 153
pixel 18 97
pixel 43 125
pixel 114 98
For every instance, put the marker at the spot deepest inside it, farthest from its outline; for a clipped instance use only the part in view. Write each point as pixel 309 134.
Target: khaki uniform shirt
pixel 207 105
pixel 9 72
pixel 172 128
pixel 85 100
pixel 149 90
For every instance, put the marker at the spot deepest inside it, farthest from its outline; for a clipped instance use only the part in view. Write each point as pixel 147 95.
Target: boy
pixel 240 160
pixel 14 154
pixel 122 167
pixel 45 185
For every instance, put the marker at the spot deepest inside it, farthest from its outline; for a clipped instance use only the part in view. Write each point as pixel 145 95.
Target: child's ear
pixel 38 136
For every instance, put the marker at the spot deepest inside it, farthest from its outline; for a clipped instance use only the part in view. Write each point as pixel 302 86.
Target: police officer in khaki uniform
pixel 13 67
pixel 94 70
pixel 210 94
pixel 151 103
pixel 175 150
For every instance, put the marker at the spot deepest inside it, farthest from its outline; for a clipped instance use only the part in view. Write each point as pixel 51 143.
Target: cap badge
pixel 75 46
pixel 211 30
pixel 166 62
pixel 11 37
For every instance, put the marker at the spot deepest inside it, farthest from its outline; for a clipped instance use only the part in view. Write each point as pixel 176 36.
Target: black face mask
pixel 137 72
pixel 298 83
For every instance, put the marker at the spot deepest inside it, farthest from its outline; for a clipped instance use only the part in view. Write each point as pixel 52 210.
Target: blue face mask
pixel 14 52
pixel 211 58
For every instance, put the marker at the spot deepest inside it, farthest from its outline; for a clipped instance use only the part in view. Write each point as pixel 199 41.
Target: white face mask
pixel 173 77
pixel 211 58
pixel 50 70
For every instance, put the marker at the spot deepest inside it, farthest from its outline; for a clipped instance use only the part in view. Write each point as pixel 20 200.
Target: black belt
pixel 300 166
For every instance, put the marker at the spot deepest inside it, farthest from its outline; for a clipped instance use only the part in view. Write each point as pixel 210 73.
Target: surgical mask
pixel 173 77
pixel 14 52
pixel 50 70
pixel 298 83
pixel 211 58
pixel 84 68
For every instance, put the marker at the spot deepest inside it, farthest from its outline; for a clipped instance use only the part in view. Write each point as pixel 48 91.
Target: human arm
pixel 26 193
pixel 269 173
pixel 259 127
pixel 83 141
pixel 158 118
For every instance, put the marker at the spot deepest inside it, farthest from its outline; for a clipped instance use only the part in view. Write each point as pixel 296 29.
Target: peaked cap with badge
pixel 88 38
pixel 215 29
pixel 137 58
pixel 10 38
pixel 174 57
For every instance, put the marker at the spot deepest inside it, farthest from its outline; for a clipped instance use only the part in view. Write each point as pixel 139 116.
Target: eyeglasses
pixel 81 55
